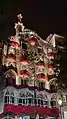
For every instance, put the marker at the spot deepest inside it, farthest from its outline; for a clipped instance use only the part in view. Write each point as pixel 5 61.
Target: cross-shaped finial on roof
pixel 19 24
pixel 19 17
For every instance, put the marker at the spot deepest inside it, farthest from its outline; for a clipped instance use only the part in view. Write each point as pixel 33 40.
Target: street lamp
pixel 60 104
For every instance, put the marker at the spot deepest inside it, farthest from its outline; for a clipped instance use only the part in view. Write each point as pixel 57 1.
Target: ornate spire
pixel 19 26
pixel 19 17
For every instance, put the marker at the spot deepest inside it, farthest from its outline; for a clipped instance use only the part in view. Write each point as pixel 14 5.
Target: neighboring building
pixel 63 93
pixel 28 76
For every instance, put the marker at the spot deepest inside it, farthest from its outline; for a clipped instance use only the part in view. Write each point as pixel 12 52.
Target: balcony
pixel 17 110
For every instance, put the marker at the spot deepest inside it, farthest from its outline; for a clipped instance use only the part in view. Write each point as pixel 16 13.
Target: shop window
pixel 8 116
pixel 53 118
pixel 41 118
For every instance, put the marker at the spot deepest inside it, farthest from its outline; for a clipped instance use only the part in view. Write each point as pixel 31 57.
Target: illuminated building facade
pixel 28 76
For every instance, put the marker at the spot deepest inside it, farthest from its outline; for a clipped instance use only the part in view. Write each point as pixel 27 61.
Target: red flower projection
pixel 50 66
pixel 17 110
pixel 41 76
pixel 24 73
pixel 11 57
pixel 40 65
pixel 32 41
pixel 24 61
pixel 50 54
pixel 15 44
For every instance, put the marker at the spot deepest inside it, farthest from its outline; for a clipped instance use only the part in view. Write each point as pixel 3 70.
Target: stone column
pixel 47 86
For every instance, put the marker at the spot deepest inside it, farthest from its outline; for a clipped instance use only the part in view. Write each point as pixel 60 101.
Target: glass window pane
pixel 20 100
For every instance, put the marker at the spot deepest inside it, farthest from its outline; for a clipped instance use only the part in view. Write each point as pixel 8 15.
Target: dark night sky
pixel 43 16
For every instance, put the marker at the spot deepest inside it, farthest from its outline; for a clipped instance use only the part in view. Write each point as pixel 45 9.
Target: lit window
pixel 64 98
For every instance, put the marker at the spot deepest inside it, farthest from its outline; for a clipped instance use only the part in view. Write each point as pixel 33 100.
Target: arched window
pixel 42 100
pixel 6 98
pixel 39 100
pixel 10 77
pixel 12 98
pixel 10 80
pixel 25 98
pixel 45 102
pixel 41 117
pixel 21 99
pixel 53 101
pixel 9 98
pixel 29 98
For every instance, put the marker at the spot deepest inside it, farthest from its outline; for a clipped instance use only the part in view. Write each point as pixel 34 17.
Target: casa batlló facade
pixel 28 76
